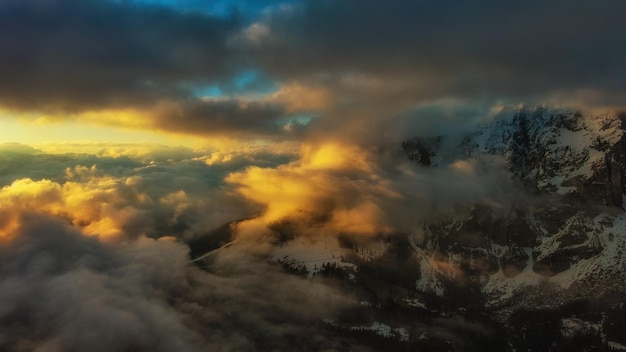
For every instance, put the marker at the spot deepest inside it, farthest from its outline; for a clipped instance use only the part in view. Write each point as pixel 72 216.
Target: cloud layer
pixel 62 290
pixel 101 251
pixel 100 254
pixel 368 60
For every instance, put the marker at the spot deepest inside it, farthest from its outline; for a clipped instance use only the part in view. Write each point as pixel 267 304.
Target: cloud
pixel 62 290
pixel 367 63
pixel 129 65
pixel 131 192
pixel 256 33
pixel 94 243
pixel 327 183
pixel 236 118
pixel 16 148
pixel 343 189
pixel 99 252
pixel 522 50
pixel 65 55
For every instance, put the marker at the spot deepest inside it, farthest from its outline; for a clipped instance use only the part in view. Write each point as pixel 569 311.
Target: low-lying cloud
pixel 345 189
pixel 62 290
pixel 96 257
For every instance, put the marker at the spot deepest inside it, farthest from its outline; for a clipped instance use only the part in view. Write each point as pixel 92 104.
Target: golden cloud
pixel 299 97
pixel 331 183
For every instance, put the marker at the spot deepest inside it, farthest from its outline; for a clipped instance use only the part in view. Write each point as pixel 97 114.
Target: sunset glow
pixel 277 175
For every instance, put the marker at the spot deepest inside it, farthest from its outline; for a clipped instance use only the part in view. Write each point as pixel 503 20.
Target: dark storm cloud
pixel 232 117
pixel 373 59
pixel 71 55
pixel 61 56
pixel 520 49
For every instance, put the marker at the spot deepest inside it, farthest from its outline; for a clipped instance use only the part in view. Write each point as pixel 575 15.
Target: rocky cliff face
pixel 572 168
pixel 564 244
pixel 544 272
pixel 547 152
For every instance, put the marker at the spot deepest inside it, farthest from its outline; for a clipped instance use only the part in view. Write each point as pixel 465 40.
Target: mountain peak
pixel 546 151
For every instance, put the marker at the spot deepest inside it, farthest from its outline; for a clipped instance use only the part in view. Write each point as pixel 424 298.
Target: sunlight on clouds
pixel 334 156
pixel 86 205
pixel 8 226
pixel 464 166
pixel 170 147
pixel 298 97
pixel 330 183
pixel 283 191
pixel 128 191
pixel 97 129
pixel 244 129
pixel 87 199
pixel 365 218
pixel 129 118
pixel 22 195
pixel 27 193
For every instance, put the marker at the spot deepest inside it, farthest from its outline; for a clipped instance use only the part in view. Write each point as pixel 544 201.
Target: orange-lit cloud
pixel 90 205
pixel 298 97
pixel 149 200
pixel 444 265
pixel 330 182
pixel 145 129
pixel 342 188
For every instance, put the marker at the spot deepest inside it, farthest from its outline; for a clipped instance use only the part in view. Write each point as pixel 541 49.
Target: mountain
pixel 550 152
pixel 559 252
pixel 540 267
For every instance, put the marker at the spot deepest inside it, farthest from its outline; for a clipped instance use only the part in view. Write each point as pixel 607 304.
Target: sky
pixel 129 128
pixel 241 70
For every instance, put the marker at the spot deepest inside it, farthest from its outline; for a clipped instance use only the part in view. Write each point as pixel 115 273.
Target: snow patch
pixel 414 302
pixel 609 263
pixel 428 281
pixel 500 288
pixel 615 346
pixel 312 254
pixel 384 330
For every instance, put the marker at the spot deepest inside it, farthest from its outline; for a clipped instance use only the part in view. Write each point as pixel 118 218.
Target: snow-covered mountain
pixel 563 244
pixel 554 152
pixel 544 271
pixel 570 166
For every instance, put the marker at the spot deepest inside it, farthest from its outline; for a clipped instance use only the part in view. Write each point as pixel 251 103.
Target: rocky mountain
pixel 563 245
pixel 544 272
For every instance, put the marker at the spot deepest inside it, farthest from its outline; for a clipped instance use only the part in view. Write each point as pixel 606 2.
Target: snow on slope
pixel 311 254
pixel 610 264
pixel 553 152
